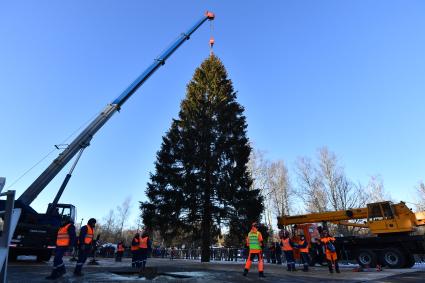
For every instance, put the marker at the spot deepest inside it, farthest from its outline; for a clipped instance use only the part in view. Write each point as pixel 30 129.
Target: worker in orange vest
pixel 135 251
pixel 303 248
pixel 120 251
pixel 65 239
pixel 254 241
pixel 85 241
pixel 331 256
pixel 288 249
pixel 145 247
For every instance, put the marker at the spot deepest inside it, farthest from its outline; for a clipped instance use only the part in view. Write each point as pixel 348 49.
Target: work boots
pixel 57 272
pixel 261 274
pixel 331 270
pixel 61 270
pixel 55 275
pixel 245 272
pixel 337 268
pixel 77 271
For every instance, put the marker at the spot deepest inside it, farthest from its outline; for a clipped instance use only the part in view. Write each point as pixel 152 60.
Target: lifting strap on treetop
pixel 211 42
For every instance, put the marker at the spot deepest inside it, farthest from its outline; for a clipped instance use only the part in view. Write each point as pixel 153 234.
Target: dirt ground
pixel 193 271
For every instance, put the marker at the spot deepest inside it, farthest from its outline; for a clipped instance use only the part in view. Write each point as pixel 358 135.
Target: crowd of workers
pixel 142 245
pixel 254 242
pixel 67 238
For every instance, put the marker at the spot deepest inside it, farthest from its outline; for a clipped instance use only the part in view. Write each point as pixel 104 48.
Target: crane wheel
pixel 393 258
pixel 366 258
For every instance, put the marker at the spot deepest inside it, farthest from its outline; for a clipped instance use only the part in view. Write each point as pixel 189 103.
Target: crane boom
pixel 330 216
pixel 84 138
pixel 382 217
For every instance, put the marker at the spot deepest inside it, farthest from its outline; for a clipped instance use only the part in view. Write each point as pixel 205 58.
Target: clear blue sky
pixel 344 74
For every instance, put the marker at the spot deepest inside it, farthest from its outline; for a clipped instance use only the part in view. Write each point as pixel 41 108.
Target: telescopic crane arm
pixel 84 138
pixel 380 217
pixel 330 216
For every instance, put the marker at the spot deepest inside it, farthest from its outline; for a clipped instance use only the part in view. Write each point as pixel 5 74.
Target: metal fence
pixel 217 254
pixel 223 254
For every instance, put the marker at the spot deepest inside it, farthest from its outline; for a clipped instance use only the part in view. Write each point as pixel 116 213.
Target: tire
pixel 366 258
pixel 410 261
pixel 393 258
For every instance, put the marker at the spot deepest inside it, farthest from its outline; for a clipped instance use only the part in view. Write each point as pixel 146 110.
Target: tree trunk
pixel 206 217
pixel 206 226
pixel 206 234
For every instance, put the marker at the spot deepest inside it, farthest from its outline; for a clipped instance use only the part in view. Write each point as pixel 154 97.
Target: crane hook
pixel 211 45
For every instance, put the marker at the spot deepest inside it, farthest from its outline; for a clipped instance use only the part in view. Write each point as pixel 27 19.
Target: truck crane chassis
pixel 393 240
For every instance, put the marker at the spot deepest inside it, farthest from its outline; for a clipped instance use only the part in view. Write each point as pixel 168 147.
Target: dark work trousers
pixel 143 257
pixel 290 261
pixel 119 256
pixel 279 256
pixel 330 263
pixel 82 257
pixel 58 264
pixel 135 258
pixel 305 260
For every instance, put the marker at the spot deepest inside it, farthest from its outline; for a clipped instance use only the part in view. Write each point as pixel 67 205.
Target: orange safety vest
pixel 286 246
pixel 62 239
pixel 144 243
pixel 89 235
pixel 326 240
pixel 329 254
pixel 135 247
pixel 120 248
pixel 303 250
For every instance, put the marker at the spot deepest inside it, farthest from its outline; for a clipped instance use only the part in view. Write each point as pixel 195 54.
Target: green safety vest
pixel 254 244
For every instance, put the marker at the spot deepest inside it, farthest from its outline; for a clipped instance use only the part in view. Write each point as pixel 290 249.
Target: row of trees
pixel 317 185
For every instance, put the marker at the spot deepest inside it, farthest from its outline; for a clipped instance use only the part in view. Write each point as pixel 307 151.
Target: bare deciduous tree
pixel 325 186
pixel 341 193
pixel 375 190
pixel 310 190
pixel 108 229
pixel 109 221
pixel 123 212
pixel 280 189
pixel 258 166
pixel 421 196
pixel 272 179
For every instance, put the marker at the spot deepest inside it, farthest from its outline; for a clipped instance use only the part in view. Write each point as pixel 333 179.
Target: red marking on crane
pixel 210 15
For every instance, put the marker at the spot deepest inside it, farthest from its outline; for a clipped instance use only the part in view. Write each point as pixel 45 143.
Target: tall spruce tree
pixel 201 182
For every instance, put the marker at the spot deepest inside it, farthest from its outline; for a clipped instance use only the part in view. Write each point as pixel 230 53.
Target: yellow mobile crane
pixel 392 226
